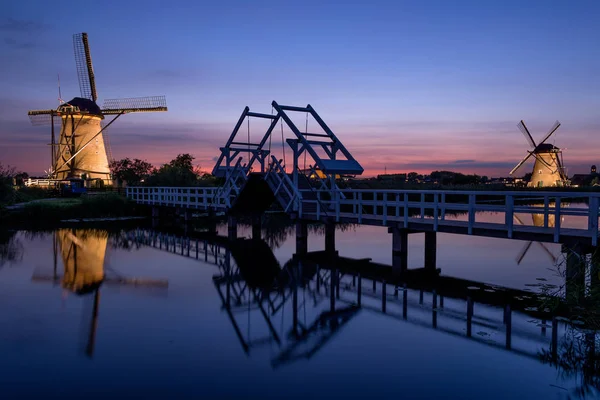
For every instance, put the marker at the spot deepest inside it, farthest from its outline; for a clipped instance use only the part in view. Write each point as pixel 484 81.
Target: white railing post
pixel 397 200
pixel 443 206
pixel 405 209
pixel 593 219
pixel 557 220
pixel 435 211
pixel 384 195
pixel 546 210
pixel 471 213
pixel 422 205
pixel 360 207
pixel 509 214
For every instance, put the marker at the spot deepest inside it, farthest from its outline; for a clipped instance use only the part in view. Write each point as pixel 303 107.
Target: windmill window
pixel 540 171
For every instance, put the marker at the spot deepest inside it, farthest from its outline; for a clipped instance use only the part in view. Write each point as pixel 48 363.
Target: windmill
pixel 81 150
pixel 548 169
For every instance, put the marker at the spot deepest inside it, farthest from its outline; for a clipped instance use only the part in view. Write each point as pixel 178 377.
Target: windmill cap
pixel 85 105
pixel 546 147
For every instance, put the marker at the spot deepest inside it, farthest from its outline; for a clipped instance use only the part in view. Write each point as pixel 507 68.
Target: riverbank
pixel 55 210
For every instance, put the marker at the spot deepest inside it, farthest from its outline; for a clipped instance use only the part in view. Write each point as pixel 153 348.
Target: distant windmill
pixel 81 148
pixel 548 169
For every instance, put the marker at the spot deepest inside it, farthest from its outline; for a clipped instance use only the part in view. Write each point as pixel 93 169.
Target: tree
pixel 527 177
pixel 412 176
pixel 178 172
pixel 132 172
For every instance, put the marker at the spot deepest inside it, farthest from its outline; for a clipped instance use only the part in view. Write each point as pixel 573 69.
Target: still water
pixel 192 328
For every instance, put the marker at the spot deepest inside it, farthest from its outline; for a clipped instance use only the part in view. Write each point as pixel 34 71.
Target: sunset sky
pixel 406 85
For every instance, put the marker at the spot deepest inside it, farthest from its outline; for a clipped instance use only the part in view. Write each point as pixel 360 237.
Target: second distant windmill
pixel 548 169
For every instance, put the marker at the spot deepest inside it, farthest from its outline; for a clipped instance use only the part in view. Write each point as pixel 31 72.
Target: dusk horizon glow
pixel 406 87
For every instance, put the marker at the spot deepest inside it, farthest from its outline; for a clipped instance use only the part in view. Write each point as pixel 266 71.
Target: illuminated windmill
pixel 548 169
pixel 81 150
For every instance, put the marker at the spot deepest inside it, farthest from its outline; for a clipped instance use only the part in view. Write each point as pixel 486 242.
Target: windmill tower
pixel 548 169
pixel 81 150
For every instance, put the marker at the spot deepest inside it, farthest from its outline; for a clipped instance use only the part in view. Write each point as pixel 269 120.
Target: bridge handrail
pixel 168 195
pixel 276 169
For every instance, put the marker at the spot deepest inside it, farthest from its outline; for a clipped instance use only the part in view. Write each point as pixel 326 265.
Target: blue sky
pixel 406 85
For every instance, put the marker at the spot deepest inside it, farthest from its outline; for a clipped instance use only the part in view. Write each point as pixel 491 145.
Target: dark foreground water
pixel 211 334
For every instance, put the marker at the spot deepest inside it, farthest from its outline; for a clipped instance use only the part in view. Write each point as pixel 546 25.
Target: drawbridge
pixel 254 178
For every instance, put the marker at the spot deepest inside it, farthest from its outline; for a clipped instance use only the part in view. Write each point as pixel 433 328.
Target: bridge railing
pixel 187 197
pixel 431 205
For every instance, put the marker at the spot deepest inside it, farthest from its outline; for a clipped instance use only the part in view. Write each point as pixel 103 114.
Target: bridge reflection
pixel 309 300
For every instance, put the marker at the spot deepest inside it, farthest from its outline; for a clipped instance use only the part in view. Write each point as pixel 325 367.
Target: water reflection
pixel 11 248
pixel 277 314
pixel 540 220
pixel 306 302
pixel 83 254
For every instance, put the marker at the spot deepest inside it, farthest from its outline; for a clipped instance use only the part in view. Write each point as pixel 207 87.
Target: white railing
pixel 40 182
pixel 279 182
pixel 189 197
pixel 236 179
pixel 431 206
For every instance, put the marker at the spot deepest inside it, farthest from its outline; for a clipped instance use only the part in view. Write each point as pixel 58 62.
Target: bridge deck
pixel 420 210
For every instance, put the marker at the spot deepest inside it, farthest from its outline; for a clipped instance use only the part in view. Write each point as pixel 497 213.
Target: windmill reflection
pixel 83 253
pixel 541 220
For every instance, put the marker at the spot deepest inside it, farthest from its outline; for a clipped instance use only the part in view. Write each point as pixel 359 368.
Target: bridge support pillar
pixel 256 227
pixel 575 272
pixel 399 250
pixel 231 228
pixel 329 237
pixel 301 238
pixel 430 250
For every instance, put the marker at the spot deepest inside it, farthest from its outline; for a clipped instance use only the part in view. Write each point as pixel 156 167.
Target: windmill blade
pixel 134 104
pixel 552 130
pixel 83 63
pixel 521 163
pixel 521 255
pixel 43 117
pixel 526 133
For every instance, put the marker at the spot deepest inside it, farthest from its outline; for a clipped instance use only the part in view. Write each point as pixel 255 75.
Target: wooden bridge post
pixel 231 228
pixel 430 250
pixel 399 250
pixel 301 238
pixel 329 237
pixel 256 227
pixel 575 256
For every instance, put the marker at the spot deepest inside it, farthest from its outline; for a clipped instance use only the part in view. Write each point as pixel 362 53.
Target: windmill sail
pixel 85 70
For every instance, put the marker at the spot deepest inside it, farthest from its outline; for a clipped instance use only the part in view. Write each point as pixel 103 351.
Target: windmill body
pixel 81 121
pixel 81 150
pixel 548 169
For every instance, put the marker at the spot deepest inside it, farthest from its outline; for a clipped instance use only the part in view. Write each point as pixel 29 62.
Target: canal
pixel 162 324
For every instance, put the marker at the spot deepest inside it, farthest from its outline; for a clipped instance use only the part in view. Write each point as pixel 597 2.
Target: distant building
pixel 590 179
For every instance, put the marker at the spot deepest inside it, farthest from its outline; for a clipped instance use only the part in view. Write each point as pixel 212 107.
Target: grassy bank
pixel 52 211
